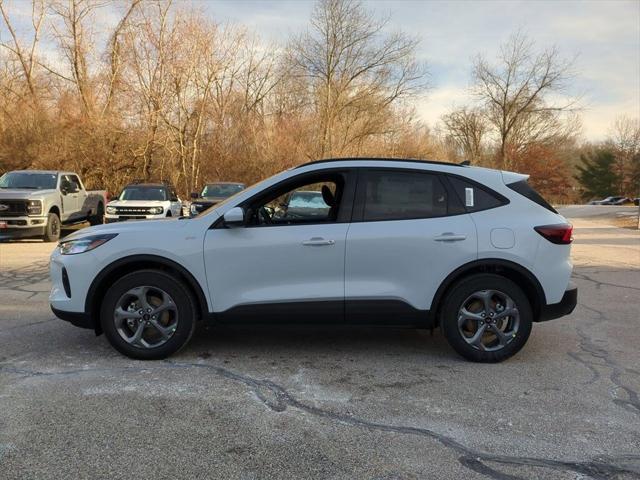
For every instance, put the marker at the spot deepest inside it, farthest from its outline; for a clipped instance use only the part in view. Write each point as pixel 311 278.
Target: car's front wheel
pixel 486 318
pixel 98 218
pixel 148 315
pixel 52 228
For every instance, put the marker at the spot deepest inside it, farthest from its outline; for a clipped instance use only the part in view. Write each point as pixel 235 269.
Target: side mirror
pixel 234 217
pixel 194 195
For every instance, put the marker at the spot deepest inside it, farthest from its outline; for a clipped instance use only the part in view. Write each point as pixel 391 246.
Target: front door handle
pixel 450 237
pixel 318 242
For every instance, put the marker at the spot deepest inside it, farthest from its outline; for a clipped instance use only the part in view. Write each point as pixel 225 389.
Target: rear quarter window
pixel 475 197
pixel 526 190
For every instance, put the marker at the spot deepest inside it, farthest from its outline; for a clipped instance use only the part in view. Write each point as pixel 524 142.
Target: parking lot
pixel 329 403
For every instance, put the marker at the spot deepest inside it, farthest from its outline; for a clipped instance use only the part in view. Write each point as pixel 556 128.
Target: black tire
pixel 460 293
pixel 98 218
pixel 184 303
pixel 52 229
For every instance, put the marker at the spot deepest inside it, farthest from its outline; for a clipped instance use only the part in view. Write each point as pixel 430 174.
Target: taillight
pixel 560 234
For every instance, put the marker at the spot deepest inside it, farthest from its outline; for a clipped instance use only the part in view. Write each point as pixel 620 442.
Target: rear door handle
pixel 450 237
pixel 318 242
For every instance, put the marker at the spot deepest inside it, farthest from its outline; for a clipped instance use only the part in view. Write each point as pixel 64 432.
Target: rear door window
pixel 403 195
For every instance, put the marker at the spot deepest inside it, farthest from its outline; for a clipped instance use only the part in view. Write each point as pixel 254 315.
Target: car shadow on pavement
pixel 315 341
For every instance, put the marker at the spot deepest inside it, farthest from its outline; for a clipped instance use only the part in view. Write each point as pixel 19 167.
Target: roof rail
pixel 349 159
pixel 138 181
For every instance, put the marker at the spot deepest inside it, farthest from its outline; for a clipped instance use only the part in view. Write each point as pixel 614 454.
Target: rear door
pixel 409 232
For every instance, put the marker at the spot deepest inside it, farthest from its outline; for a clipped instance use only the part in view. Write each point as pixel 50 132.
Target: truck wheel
pixel 52 229
pixel 148 315
pixel 486 318
pixel 98 218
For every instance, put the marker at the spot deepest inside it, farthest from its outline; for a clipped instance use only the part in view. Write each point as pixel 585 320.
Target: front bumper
pixel 124 218
pixel 79 319
pixel 22 227
pixel 562 308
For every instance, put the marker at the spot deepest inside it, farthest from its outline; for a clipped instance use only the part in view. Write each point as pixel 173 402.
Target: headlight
pixel 81 245
pixel 111 210
pixel 194 209
pixel 156 210
pixel 34 207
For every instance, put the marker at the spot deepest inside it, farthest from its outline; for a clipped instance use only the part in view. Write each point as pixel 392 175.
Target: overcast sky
pixel 603 36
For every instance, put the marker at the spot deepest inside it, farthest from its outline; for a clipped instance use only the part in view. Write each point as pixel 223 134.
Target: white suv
pixel 139 201
pixel 394 242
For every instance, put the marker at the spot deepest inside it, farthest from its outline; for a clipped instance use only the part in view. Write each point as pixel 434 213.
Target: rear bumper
pixel 79 319
pixel 562 308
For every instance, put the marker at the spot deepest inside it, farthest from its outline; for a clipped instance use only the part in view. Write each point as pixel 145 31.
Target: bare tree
pixel 26 54
pixel 355 71
pixel 624 138
pixel 467 128
pixel 516 94
pixel 147 44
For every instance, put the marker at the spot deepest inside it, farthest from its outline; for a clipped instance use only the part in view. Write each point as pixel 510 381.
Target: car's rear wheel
pixel 486 318
pixel 148 315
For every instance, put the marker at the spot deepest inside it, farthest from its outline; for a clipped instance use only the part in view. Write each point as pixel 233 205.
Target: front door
pixel 71 201
pixel 287 262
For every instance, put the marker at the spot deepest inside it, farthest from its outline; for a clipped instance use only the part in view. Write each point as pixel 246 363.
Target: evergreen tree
pixel 597 174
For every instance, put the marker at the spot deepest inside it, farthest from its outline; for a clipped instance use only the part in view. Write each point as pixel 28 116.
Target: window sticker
pixel 468 197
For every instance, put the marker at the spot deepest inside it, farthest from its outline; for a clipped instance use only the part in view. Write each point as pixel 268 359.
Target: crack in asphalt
pixel 588 278
pixel 20 279
pixel 26 325
pixel 590 349
pixel 278 399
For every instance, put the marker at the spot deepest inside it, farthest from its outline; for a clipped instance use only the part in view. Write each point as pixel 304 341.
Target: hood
pixel 148 226
pixel 137 203
pixel 208 200
pixel 23 193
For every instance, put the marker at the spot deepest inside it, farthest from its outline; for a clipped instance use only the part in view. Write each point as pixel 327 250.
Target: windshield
pixel 307 200
pixel 35 181
pixel 143 193
pixel 222 190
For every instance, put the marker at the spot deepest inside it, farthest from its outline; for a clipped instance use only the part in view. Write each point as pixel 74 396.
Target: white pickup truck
pixel 36 203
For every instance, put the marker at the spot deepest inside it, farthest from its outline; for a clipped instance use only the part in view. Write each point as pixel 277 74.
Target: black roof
pixel 372 159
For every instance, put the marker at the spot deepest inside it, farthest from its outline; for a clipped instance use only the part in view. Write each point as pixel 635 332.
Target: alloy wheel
pixel 488 320
pixel 146 317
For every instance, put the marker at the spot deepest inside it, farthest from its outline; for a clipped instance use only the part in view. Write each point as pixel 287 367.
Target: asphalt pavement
pixel 328 403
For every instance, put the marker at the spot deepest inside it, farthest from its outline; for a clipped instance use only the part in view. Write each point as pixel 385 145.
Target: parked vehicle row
pixel 615 200
pixel 363 241
pixel 37 203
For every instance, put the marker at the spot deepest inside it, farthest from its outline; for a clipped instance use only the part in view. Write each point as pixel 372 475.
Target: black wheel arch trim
pixel 493 265
pixel 91 302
